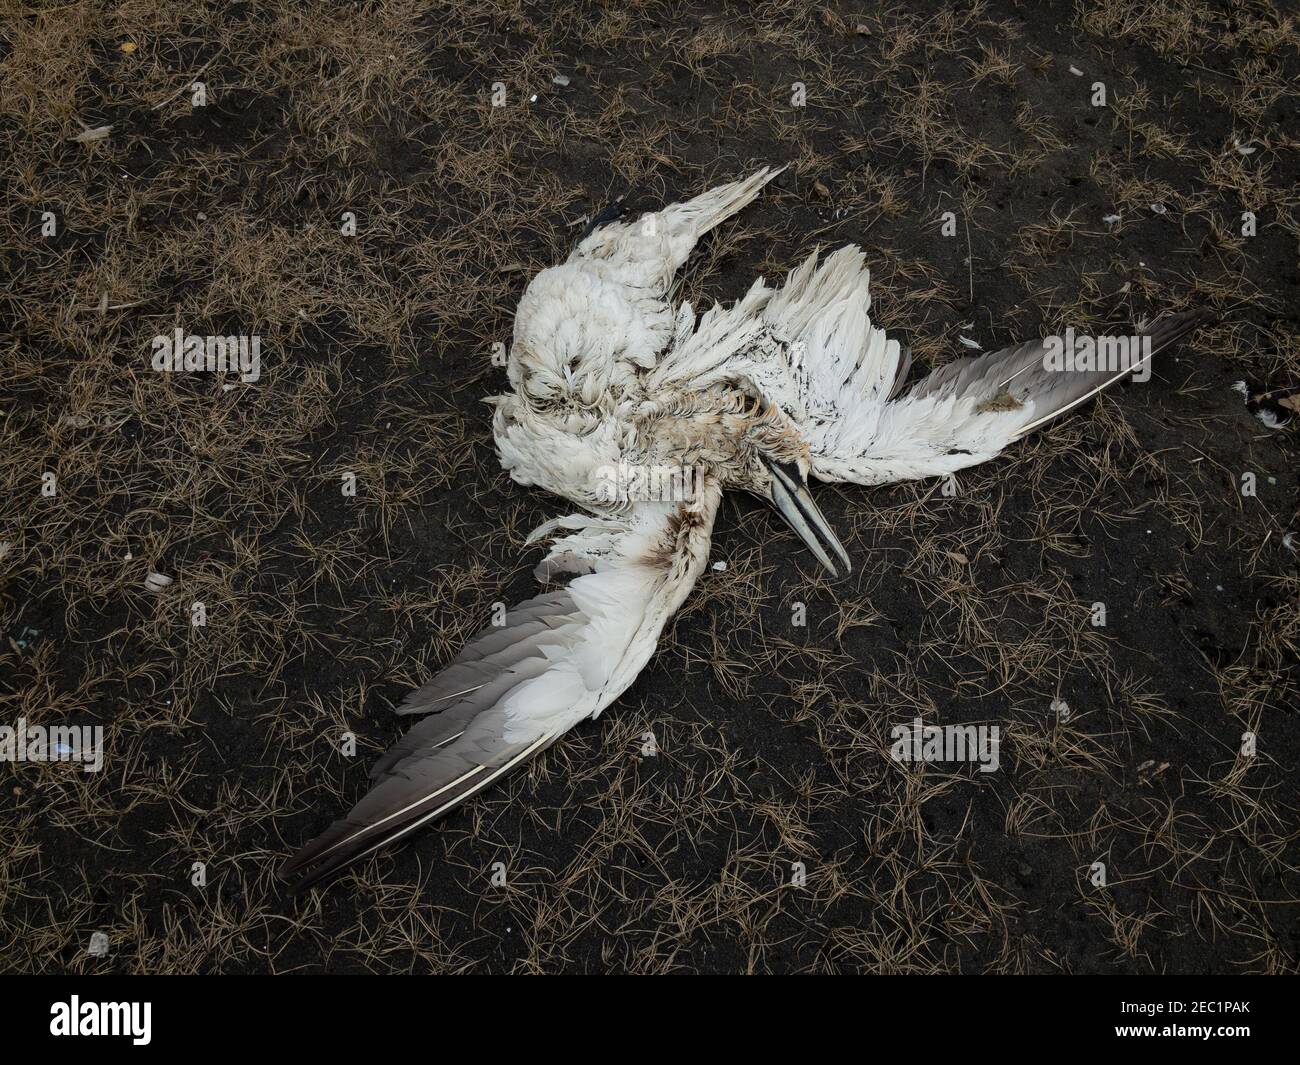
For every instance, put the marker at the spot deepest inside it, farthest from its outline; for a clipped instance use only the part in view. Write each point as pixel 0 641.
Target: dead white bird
pixel 607 374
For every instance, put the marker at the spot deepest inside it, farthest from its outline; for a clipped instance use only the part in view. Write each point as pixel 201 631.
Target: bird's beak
pixel 795 504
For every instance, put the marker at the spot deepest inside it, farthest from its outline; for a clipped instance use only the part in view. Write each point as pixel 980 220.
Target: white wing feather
pixel 839 377
pixel 514 690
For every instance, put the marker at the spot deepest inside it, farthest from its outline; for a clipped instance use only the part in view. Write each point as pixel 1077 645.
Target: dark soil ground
pixel 223 741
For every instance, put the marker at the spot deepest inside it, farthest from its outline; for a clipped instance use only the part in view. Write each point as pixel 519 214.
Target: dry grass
pixel 773 739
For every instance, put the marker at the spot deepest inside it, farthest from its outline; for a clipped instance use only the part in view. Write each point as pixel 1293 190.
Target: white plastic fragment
pixel 88 135
pixel 1076 71
pixel 967 342
pixel 98 945
pixel 719 566
pixel 156 582
pixel 560 80
pixel 1159 208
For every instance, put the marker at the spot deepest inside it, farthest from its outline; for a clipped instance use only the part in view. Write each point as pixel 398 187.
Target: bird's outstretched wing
pixel 514 690
pixel 970 410
pixel 589 324
pixel 845 383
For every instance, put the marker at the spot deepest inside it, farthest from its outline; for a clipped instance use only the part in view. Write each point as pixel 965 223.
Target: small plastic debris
pixel 967 342
pixel 1110 219
pixel 98 945
pixel 719 566
pixel 1149 770
pixel 1244 149
pixel 1076 71
pixel 561 80
pixel 533 99
pixel 862 30
pixel 156 582
pixel 1159 208
pixel 88 135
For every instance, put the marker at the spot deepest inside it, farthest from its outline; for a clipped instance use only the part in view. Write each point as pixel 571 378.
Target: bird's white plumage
pixel 605 370
pixel 585 329
pixel 638 572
